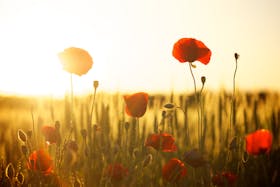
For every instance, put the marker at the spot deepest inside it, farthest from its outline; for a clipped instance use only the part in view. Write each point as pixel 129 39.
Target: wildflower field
pixel 199 138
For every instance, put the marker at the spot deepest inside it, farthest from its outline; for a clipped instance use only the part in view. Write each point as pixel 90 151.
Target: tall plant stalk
pixel 233 101
pixel 198 108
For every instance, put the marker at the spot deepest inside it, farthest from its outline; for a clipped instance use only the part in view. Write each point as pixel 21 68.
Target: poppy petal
pixel 174 170
pixel 164 142
pixel 259 142
pixel 136 104
pixel 40 161
pixel 116 171
pixel 75 60
pixel 190 50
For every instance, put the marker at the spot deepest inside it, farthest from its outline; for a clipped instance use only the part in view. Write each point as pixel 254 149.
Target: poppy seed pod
pixel 236 56
pixel 95 84
pixel 203 79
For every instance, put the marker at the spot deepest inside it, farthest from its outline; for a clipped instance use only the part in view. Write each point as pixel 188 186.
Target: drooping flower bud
pixel 203 79
pixel 236 56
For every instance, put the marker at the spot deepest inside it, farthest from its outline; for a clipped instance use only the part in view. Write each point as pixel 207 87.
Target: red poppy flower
pixel 76 60
pixel 190 50
pixel 164 142
pixel 224 179
pixel 194 158
pixel 136 104
pixel 51 134
pixel 174 170
pixel 40 161
pixel 259 142
pixel 116 171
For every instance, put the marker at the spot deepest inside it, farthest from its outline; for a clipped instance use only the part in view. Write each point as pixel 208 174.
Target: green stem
pixel 33 126
pixel 232 117
pixel 197 101
pixel 201 114
pixel 71 100
pixel 92 105
pixel 190 66
pixel 232 121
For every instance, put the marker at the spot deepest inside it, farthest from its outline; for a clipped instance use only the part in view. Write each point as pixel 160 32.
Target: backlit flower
pixel 259 142
pixel 194 158
pixel 224 179
pixel 40 161
pixel 190 50
pixel 75 60
pixel 116 171
pixel 136 104
pixel 51 134
pixel 174 170
pixel 164 142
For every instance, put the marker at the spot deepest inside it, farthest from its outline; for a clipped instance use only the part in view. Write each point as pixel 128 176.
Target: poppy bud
pixel 236 56
pixel 169 106
pixel 10 171
pixel 22 136
pixel 95 84
pixel 20 178
pixel 203 79
pixel 147 160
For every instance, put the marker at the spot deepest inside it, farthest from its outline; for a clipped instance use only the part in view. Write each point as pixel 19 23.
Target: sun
pixel 30 62
pixel 34 70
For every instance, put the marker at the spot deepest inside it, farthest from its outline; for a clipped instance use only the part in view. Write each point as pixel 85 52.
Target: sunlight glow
pixel 131 44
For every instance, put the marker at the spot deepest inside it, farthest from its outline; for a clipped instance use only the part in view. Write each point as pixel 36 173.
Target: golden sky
pixel 131 44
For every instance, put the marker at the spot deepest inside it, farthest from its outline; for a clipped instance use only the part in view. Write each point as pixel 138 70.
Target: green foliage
pixel 107 135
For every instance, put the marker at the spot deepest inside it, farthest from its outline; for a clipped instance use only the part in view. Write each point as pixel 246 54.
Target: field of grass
pixel 100 145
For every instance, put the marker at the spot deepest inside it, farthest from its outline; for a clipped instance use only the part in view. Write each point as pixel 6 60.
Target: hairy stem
pixel 197 102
